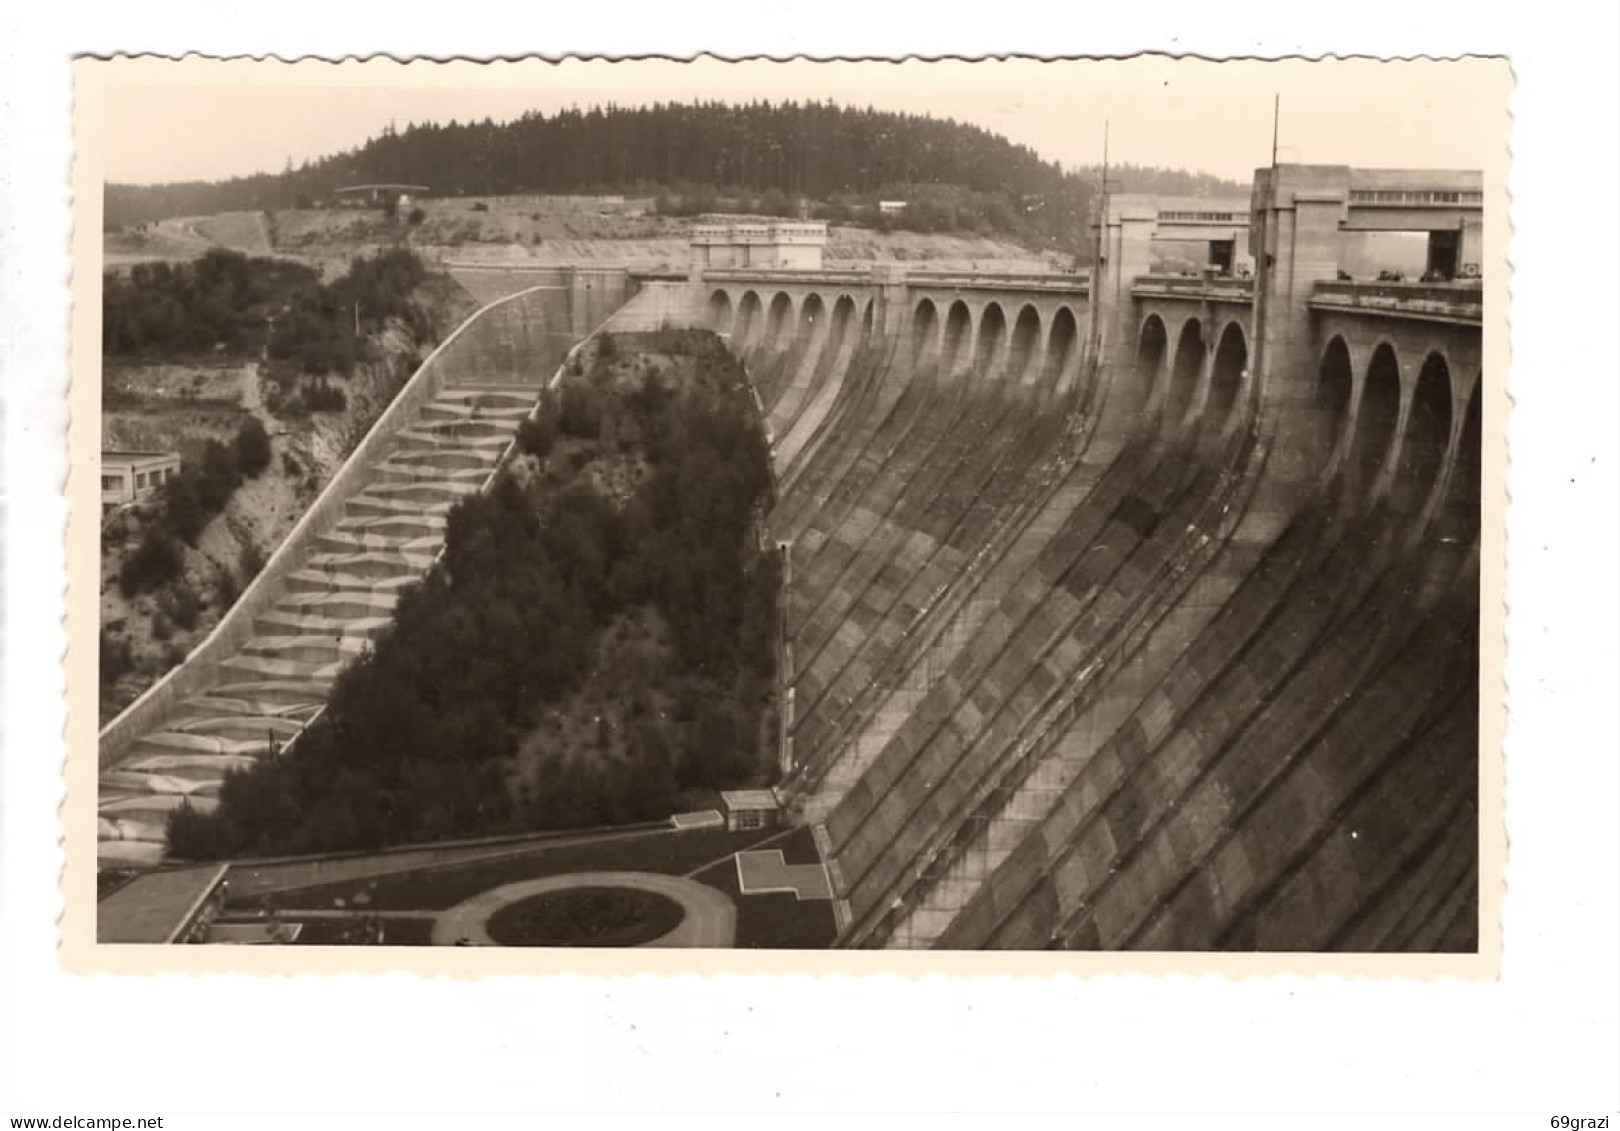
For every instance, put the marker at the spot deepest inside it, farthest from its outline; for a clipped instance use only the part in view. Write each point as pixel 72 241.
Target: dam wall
pixel 1081 634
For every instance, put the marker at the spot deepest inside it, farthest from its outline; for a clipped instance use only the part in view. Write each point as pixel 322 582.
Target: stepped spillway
pixel 266 670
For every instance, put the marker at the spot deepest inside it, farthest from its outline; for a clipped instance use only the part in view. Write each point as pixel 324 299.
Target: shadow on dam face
pixel 1062 353
pixel 957 341
pixel 1151 347
pixel 749 323
pixel 1327 425
pixel 1182 387
pixel 1024 351
pixel 925 336
pixel 1426 438
pixel 1227 380
pixel 1377 414
pixel 720 312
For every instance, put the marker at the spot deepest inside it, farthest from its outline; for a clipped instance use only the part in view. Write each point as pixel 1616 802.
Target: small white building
pixel 750 809
pixel 128 477
pixel 891 207
pixel 722 242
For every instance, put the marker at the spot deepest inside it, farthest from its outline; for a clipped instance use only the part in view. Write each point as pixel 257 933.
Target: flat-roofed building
pixel 750 809
pixel 725 242
pixel 129 477
pixel 378 196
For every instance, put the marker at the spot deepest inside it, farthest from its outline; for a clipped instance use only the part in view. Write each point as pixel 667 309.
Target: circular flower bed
pixel 586 916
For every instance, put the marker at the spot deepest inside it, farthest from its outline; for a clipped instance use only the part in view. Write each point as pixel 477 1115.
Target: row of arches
pixel 1016 340
pixel 1377 431
pixel 1383 432
pixel 1389 433
pixel 1170 377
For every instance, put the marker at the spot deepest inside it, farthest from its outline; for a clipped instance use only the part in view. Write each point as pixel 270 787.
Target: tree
pixel 532 599
pixel 252 447
pixel 155 562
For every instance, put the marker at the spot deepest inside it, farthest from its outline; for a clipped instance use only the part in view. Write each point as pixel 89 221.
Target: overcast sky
pixel 201 120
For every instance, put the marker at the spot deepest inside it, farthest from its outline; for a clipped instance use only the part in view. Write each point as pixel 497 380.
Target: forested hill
pixel 814 150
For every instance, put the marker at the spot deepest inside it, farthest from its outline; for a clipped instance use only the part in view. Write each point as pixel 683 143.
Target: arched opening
pixel 958 333
pixel 1468 476
pixel 1062 341
pixel 720 312
pixel 811 319
pixel 1189 359
pixel 843 319
pixel 1151 347
pixel 1026 346
pixel 776 322
pixel 924 334
pixel 992 332
pixel 1226 378
pixel 1335 382
pixel 1427 434
pixel 1376 416
pixel 750 316
pixel 866 323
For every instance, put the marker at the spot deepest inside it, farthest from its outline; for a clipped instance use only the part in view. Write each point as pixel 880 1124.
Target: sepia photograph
pixel 938 506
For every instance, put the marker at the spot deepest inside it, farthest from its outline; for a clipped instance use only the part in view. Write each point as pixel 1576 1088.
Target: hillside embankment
pixel 537 230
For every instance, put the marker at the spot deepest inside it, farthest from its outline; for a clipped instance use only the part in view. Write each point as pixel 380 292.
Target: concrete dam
pixel 1123 610
pixel 1142 641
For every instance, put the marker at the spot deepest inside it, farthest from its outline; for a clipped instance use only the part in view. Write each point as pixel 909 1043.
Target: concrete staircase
pixel 331 604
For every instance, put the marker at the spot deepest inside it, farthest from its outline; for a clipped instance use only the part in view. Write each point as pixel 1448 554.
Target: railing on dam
pixel 1442 302
pixel 889 274
pixel 1194 287
pixel 786 275
pixel 1058 283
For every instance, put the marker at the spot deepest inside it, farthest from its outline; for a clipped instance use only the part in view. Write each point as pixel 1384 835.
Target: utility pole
pixel 1098 258
pixel 1263 263
pixel 1276 119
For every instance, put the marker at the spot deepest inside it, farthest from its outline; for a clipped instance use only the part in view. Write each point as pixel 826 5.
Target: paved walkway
pixel 711 919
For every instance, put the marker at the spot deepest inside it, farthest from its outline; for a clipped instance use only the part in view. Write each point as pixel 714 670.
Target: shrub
pixel 155 562
pixel 581 414
pixel 162 628
pixel 250 560
pixel 226 589
pixel 319 396
pixel 538 436
pixel 416 217
pixel 116 658
pixel 290 467
pixel 252 447
pixel 184 607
